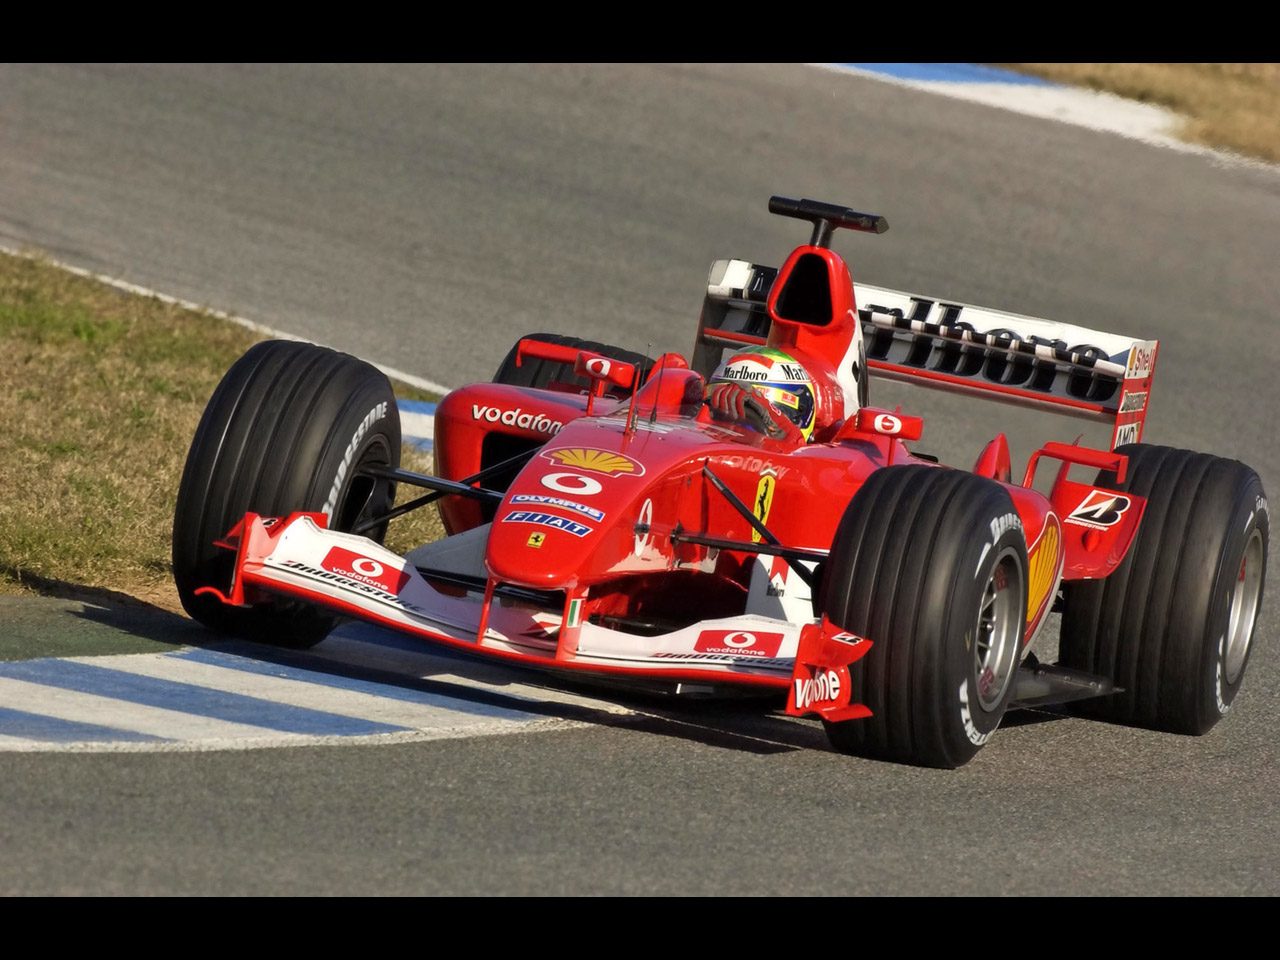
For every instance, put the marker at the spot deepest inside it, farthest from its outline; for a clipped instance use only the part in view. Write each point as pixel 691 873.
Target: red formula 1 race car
pixel 745 519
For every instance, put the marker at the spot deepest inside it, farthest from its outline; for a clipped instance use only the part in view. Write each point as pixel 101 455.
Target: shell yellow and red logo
pixel 1042 566
pixel 597 461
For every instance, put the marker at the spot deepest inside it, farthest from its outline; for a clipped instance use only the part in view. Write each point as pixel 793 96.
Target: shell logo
pixel 1042 566
pixel 597 461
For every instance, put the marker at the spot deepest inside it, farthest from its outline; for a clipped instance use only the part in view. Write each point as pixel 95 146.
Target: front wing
pixel 298 557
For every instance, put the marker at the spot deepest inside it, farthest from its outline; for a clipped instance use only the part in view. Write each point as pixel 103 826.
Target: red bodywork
pixel 586 527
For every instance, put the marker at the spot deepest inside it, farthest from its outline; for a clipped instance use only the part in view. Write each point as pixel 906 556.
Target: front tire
pixel 287 429
pixel 930 565
pixel 1173 625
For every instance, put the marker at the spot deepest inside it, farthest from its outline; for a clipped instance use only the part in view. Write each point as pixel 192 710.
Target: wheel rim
pixel 998 634
pixel 365 497
pixel 1244 607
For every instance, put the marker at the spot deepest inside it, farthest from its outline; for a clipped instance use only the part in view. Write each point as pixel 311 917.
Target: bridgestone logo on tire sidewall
pixel 976 736
pixel 1219 677
pixel 370 418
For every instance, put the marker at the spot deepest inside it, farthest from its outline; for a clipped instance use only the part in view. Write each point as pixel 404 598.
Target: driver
pixel 756 374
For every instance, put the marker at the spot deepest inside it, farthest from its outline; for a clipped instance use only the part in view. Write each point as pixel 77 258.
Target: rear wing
pixel 1104 377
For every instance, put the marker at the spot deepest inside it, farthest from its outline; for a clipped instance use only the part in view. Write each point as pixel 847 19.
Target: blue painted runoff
pixel 417 406
pixel 952 73
pixel 34 726
pixel 189 698
pixel 339 682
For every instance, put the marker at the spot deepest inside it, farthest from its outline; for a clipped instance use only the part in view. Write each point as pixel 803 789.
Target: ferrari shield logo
pixel 535 539
pixel 764 501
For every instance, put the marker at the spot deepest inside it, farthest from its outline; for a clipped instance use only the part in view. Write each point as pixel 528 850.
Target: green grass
pixel 100 394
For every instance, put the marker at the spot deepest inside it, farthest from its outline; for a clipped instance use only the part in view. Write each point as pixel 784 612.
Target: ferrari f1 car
pixel 605 519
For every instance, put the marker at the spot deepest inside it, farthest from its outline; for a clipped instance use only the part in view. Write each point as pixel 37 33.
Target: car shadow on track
pixel 752 725
pixel 59 618
pixel 741 725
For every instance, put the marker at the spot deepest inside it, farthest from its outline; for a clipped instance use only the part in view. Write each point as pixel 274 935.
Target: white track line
pixel 417 426
pixel 123 715
pixel 489 727
pixel 290 692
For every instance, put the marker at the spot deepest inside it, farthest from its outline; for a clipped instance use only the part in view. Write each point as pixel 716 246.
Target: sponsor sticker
pixel 535 539
pixel 537 422
pixel 820 689
pixel 745 371
pixel 1099 510
pixel 574 483
pixel 738 643
pixel 844 636
pixel 778 570
pixel 779 397
pixel 598 366
pixel 926 318
pixel 1141 356
pixel 364 569
pixel 753 465
pixel 792 372
pixel 888 424
pixel 1134 402
pixel 1126 433
pixel 642 531
pixel 1042 564
pixel 607 462
pixel 763 501
pixel 582 508
pixel 548 520
pixel 720 658
pixel 345 581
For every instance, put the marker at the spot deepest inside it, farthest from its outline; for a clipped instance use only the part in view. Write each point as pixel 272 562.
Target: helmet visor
pixel 795 400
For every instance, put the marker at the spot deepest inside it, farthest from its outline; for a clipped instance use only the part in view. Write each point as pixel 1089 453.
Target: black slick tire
pixel 1173 624
pixel 930 565
pixel 542 374
pixel 287 429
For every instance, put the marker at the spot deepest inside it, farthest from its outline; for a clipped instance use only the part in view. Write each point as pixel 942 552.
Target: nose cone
pixel 566 516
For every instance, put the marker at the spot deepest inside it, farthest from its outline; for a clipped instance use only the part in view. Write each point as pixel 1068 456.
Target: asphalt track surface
pixel 427 216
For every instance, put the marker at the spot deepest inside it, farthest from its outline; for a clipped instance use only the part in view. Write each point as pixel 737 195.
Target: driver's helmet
pixel 777 377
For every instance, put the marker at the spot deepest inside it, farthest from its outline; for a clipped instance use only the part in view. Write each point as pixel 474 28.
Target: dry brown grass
pixel 100 394
pixel 1230 106
pixel 421 526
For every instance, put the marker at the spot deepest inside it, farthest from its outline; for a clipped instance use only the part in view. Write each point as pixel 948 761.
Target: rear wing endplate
pixel 1104 377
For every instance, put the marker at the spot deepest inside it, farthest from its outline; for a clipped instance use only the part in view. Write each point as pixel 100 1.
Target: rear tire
pixel 1173 624
pixel 287 429
pixel 930 565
